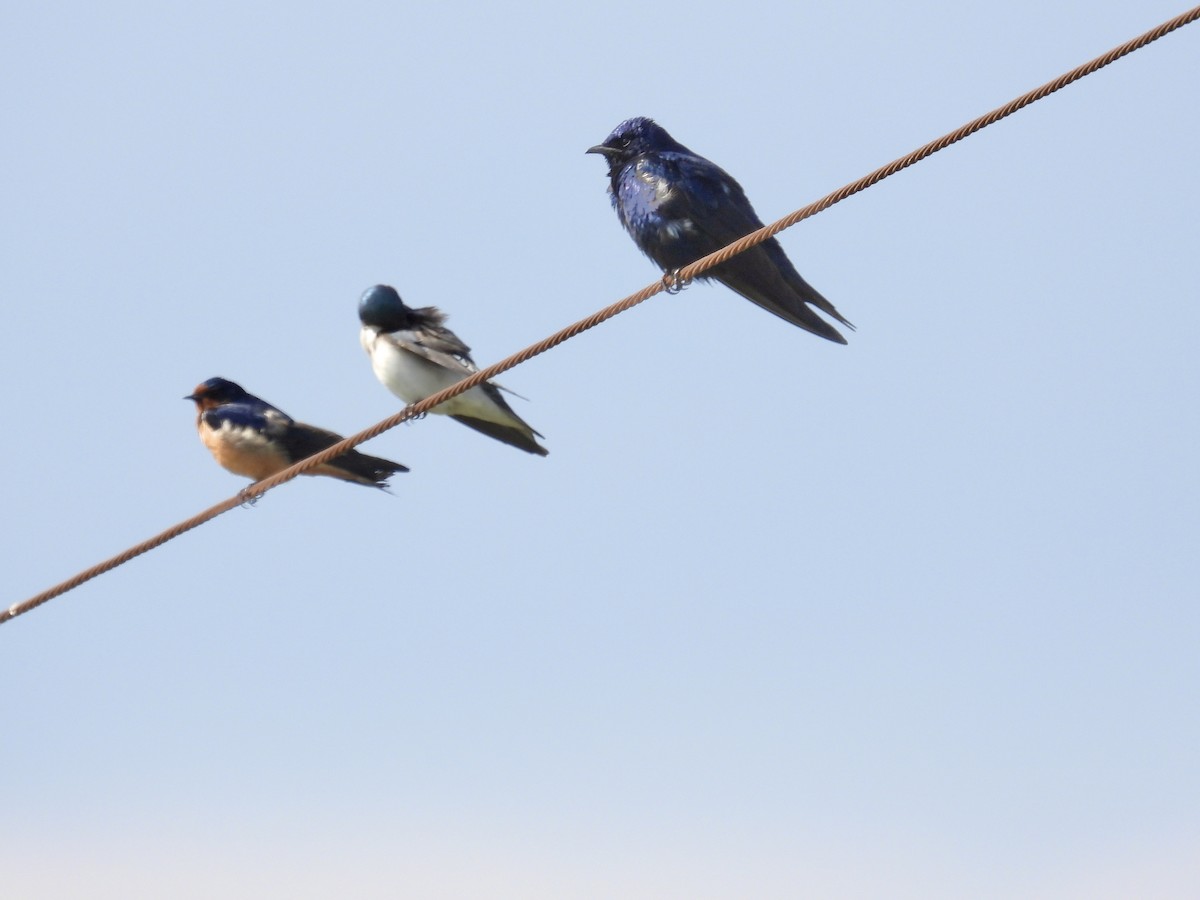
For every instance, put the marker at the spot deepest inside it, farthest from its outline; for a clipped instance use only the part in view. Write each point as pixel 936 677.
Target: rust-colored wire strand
pixel 687 273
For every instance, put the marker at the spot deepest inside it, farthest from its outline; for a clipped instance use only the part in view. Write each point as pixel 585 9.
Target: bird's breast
pixel 409 375
pixel 658 187
pixel 412 377
pixel 243 450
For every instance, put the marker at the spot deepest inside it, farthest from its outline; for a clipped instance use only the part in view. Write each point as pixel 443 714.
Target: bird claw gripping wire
pixel 672 283
pixel 248 496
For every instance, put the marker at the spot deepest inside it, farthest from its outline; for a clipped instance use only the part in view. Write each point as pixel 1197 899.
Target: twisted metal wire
pixel 1001 112
pixel 669 282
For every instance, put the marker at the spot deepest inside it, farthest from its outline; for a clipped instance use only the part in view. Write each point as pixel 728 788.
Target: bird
pixel 414 355
pixel 250 437
pixel 678 206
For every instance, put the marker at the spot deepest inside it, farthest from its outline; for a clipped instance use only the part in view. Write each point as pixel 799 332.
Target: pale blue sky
pixel 914 617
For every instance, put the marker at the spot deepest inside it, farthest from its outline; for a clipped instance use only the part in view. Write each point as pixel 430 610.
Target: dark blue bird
pixel 250 437
pixel 678 207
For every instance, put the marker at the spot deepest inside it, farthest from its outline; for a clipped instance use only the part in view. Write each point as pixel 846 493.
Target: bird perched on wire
pixel 250 437
pixel 677 206
pixel 414 355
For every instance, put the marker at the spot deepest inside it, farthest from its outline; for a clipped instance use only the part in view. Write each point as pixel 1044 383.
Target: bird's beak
pixel 602 149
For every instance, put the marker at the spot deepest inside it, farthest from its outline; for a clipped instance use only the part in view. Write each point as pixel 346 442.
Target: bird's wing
pixel 717 213
pixel 713 201
pixel 300 441
pixel 439 346
pixel 431 326
pixel 257 416
pixel 679 207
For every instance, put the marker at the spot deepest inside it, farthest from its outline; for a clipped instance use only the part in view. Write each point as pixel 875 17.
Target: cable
pixel 669 282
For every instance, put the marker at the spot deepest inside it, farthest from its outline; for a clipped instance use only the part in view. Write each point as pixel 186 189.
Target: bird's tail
pixel 764 275
pixel 509 434
pixel 373 471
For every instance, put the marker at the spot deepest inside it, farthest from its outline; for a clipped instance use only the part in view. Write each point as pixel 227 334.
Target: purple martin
pixel 677 206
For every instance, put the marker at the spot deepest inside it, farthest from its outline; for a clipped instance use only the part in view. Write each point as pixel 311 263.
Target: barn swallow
pixel 414 356
pixel 678 206
pixel 250 437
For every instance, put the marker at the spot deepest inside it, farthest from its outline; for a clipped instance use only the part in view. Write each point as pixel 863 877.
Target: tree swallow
pixel 414 356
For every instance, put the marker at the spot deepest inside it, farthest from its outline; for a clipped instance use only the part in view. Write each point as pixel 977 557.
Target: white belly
pixel 412 378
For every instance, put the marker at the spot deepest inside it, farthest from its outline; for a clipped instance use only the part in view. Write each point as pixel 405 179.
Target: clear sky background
pixel 915 617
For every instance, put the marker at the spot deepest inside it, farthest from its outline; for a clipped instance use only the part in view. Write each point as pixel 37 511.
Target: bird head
pixel 631 139
pixel 380 307
pixel 215 392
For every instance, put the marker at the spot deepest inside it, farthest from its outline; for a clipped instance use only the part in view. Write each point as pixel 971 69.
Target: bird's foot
pixel 248 496
pixel 672 283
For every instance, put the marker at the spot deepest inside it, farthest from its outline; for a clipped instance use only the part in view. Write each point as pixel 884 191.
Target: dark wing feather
pixel 509 434
pixel 258 416
pixel 436 336
pixel 704 210
pixel 301 441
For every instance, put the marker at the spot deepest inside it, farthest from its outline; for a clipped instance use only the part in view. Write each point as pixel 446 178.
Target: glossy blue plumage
pixel 677 206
